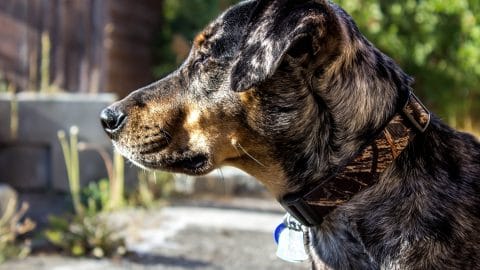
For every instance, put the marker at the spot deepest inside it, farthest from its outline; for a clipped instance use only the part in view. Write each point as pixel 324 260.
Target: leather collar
pixel 364 170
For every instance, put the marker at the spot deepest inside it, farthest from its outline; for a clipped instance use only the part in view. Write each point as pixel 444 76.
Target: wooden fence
pixel 96 45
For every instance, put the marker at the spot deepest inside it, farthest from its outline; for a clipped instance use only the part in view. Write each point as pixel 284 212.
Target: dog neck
pixel 363 170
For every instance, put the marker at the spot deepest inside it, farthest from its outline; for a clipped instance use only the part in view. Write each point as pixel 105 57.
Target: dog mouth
pixel 193 164
pixel 154 154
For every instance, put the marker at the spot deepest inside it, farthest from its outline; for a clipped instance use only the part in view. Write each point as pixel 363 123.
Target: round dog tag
pixel 289 238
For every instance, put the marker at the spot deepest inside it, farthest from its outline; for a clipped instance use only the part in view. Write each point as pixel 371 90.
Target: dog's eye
pixel 199 61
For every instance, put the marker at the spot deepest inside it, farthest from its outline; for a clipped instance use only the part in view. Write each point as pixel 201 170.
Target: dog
pixel 292 93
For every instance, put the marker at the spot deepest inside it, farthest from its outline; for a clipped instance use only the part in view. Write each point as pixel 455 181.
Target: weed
pixel 11 228
pixel 70 155
pixel 86 232
pixel 151 187
pixel 85 236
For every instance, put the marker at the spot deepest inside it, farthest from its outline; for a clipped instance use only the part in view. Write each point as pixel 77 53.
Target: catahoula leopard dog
pixel 292 93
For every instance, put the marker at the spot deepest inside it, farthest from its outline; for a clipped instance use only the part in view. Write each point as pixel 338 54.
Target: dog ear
pixel 275 29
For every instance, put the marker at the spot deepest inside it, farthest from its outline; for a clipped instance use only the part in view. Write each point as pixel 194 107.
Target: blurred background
pixel 65 197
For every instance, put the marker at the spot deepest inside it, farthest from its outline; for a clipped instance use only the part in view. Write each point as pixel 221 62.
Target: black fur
pixel 289 90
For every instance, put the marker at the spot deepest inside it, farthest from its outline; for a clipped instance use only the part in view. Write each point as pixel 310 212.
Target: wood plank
pixel 97 53
pixel 13 48
pixel 144 12
pixel 93 42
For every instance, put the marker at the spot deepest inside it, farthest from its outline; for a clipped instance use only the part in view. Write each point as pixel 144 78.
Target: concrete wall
pixel 30 153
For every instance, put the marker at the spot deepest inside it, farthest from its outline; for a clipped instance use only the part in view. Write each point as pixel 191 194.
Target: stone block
pixel 42 116
pixel 25 166
pixel 5 108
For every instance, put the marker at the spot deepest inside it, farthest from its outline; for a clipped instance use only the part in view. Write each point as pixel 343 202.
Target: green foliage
pixel 45 64
pixel 70 155
pixel 86 232
pixel 435 41
pixel 45 85
pixel 182 20
pixel 151 187
pixel 11 227
pixel 107 194
pixel 117 183
pixel 96 196
pixel 85 236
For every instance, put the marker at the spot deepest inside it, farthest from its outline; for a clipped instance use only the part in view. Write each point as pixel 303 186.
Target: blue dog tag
pixel 278 230
pixel 289 238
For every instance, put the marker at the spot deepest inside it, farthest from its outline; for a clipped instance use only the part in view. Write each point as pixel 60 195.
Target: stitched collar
pixel 364 170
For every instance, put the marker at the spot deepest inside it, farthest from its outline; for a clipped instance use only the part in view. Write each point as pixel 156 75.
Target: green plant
pixel 96 196
pixel 182 20
pixel 115 198
pixel 438 42
pixel 14 119
pixel 162 183
pixel 70 154
pixel 144 196
pixel 45 64
pixel 11 228
pixel 9 88
pixel 87 232
pixel 117 183
pixel 86 236
pixel 151 187
pixel 115 186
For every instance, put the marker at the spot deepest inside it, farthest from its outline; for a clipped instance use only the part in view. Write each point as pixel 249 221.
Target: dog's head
pixel 248 95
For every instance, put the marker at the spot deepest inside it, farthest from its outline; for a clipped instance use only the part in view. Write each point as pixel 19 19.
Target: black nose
pixel 112 120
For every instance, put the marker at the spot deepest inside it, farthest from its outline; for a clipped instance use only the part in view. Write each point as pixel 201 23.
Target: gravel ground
pixel 234 234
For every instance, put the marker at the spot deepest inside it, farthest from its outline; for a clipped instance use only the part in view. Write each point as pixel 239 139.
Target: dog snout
pixel 112 120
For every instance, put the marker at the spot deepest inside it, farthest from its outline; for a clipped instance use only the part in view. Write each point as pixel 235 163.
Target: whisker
pixel 222 178
pixel 248 154
pixel 236 149
pixel 221 174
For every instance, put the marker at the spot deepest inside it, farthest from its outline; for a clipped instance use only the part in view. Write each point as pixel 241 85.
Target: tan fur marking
pixel 271 174
pixel 246 97
pixel 234 146
pixel 199 39
pixel 258 162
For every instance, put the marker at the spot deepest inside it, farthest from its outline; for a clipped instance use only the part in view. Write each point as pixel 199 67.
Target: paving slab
pixel 186 236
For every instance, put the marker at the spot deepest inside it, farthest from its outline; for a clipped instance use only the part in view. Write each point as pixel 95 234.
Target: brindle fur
pixel 288 90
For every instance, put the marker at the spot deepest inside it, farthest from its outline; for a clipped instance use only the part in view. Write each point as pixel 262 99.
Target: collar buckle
pixel 417 113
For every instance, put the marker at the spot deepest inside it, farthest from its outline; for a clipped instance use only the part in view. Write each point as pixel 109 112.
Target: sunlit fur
pixel 288 90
